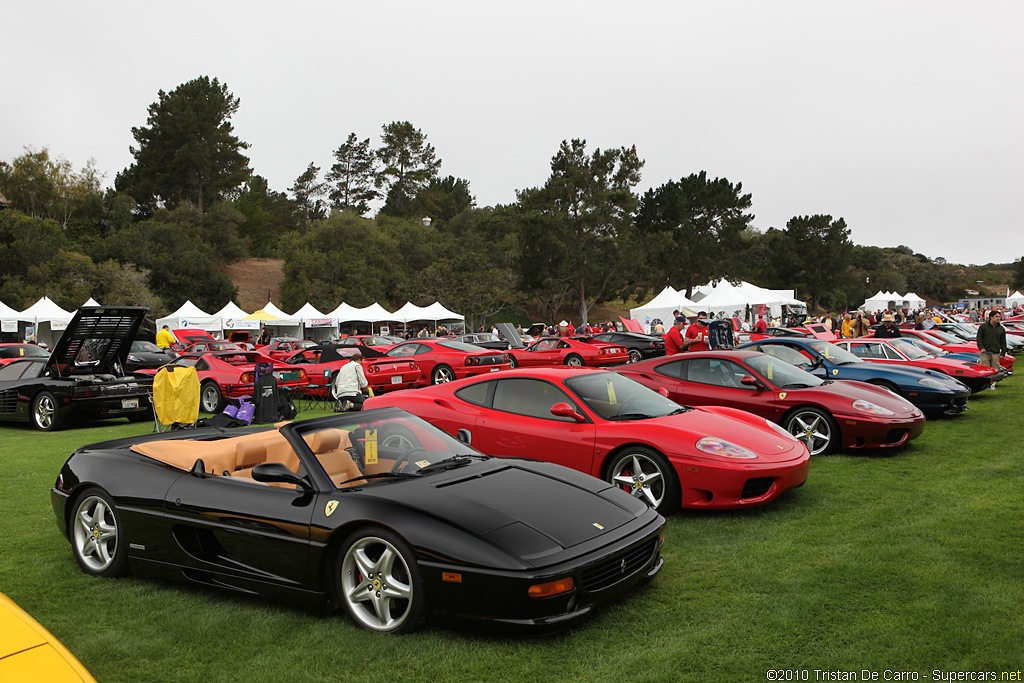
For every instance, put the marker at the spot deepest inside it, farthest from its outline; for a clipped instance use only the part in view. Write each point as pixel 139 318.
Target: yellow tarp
pixel 176 395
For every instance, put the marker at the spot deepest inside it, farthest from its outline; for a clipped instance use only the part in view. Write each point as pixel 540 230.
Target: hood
pixel 98 337
pixel 844 393
pixel 531 509
pixel 509 334
pixel 679 434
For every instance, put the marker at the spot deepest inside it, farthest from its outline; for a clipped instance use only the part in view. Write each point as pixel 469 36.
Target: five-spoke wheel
pixel 379 582
pixel 574 360
pixel 45 413
pixel 635 356
pixel 815 428
pixel 442 374
pixel 96 535
pixel 211 399
pixel 645 474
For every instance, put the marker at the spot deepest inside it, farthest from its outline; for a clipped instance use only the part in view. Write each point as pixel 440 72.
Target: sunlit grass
pixel 909 560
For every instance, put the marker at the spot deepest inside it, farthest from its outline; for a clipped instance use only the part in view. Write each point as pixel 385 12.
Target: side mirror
pixel 465 436
pixel 276 472
pixel 566 410
pixel 663 391
pixel 751 381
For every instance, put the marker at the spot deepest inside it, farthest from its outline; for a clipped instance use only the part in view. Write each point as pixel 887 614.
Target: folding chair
pixel 175 397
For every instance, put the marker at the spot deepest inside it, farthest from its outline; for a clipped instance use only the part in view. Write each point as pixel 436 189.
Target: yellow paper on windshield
pixel 611 392
pixel 825 352
pixel 371 447
pixel 769 369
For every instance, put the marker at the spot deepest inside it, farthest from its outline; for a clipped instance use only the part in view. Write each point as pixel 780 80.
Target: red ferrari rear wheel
pixel 574 360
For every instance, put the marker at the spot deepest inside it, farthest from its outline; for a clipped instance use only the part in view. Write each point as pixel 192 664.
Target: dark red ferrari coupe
pixel 824 414
pixel 614 428
pixel 322 363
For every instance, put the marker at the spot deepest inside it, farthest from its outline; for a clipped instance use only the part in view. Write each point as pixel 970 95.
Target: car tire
pixel 815 428
pixel 441 375
pixel 45 413
pixel 378 582
pixel 575 360
pixel 645 474
pixel 512 361
pixel 96 534
pixel 635 356
pixel 211 400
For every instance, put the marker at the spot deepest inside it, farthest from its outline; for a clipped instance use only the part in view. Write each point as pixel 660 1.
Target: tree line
pixel 190 203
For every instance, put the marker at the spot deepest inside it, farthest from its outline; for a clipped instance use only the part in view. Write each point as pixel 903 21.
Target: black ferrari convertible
pixel 377 512
pixel 84 375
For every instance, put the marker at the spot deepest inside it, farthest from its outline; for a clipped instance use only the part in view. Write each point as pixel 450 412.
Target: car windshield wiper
pixel 683 409
pixel 795 385
pixel 630 416
pixel 447 464
pixel 378 475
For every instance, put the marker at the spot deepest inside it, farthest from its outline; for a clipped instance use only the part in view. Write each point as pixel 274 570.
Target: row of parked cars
pixel 377 510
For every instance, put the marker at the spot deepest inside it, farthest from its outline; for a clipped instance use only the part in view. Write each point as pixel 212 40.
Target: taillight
pixel 302 374
pixel 472 360
pixel 508 358
pixel 85 392
pixel 246 378
pixel 413 366
pixel 372 369
pixel 654 345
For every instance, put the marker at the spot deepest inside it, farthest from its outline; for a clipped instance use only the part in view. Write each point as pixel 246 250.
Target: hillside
pixel 257 279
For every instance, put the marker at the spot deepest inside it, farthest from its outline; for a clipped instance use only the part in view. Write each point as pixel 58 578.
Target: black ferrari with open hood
pixel 83 376
pixel 376 512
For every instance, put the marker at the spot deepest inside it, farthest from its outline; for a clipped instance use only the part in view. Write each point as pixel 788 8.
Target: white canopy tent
pixel 437 313
pixel 48 318
pixel 725 299
pixel 880 301
pixel 231 319
pixel 1016 299
pixel 316 325
pixel 773 299
pixel 190 315
pixel 284 325
pixel 661 307
pixel 9 319
pixel 374 313
pixel 914 302
pixel 92 302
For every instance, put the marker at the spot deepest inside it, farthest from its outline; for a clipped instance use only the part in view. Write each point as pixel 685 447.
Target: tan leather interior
pixel 237 456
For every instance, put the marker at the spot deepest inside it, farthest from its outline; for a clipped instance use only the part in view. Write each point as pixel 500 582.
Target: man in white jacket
pixel 349 384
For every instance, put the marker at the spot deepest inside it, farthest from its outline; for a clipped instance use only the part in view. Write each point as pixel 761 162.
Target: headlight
pixel 781 431
pixel 869 407
pixel 931 383
pixel 134 359
pixel 715 446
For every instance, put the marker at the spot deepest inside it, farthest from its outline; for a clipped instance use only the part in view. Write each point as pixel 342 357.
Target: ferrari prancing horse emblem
pixel 782 395
pixel 332 505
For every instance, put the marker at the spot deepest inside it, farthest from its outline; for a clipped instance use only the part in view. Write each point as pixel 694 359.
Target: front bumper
pixel 718 487
pixel 878 432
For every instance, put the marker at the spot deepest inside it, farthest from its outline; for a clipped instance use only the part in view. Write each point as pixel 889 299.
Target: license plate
pixel 129 403
pixel 397 379
pixel 495 369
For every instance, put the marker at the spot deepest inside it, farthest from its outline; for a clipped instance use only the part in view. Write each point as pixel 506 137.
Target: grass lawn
pixel 902 561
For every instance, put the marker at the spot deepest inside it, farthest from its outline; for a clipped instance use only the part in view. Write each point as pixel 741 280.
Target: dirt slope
pixel 256 278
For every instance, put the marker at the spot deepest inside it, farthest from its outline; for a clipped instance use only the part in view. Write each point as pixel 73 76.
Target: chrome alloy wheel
pixel 376 584
pixel 95 534
pixel 639 475
pixel 813 429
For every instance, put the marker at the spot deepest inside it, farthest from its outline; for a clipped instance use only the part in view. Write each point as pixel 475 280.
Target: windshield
pixel 908 349
pixel 782 374
pixel 945 336
pixel 145 346
pixel 359 449
pixel 460 346
pixel 23 351
pixel 926 347
pixel 834 353
pixel 615 397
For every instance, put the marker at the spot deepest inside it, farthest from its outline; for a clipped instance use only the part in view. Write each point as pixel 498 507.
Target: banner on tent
pixel 236 324
pixel 9 326
pixel 319 322
pixel 59 324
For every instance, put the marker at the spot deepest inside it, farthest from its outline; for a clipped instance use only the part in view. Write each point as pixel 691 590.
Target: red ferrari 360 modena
pixel 568 351
pixel 823 414
pixel 442 360
pixel 901 352
pixel 283 348
pixel 382 374
pixel 614 428
pixel 232 374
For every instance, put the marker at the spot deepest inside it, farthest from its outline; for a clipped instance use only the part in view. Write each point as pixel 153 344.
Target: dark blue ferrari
pixel 932 392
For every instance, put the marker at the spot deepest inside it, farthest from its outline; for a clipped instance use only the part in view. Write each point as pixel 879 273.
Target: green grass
pixel 908 560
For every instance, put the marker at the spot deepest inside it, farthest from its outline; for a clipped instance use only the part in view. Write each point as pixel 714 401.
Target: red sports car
pixel 611 427
pixel 901 352
pixel 823 414
pixel 9 352
pixel 214 346
pixel 443 361
pixel 283 348
pixel 381 342
pixel 383 374
pixel 232 374
pixel 948 343
pixel 568 351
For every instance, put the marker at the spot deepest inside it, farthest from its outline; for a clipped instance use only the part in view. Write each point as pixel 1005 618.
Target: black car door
pixel 237 527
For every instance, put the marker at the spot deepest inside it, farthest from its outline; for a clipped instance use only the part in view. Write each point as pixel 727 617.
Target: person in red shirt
pixel 760 326
pixel 674 337
pixel 696 337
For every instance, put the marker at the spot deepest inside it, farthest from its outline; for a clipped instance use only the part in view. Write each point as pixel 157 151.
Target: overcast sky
pixel 904 118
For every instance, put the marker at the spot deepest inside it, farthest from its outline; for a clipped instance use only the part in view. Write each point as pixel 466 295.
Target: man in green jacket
pixel 991 342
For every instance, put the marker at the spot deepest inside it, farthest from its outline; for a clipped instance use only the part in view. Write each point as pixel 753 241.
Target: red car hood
pixel 839 396
pixel 678 435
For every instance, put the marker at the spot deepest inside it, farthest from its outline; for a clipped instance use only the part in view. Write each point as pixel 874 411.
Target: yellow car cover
pixel 176 395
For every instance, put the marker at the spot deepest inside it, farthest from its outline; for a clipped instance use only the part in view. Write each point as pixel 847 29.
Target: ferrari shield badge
pixel 332 505
pixel 782 395
pixel 835 371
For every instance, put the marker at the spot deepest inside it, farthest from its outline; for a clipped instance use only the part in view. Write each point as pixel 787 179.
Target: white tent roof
pixel 728 298
pixel 231 318
pixel 45 310
pixel 661 306
pixel 311 317
pixel 410 312
pixel 1015 298
pixel 437 312
pixel 912 298
pixel 92 302
pixel 374 313
pixel 346 313
pixel 190 315
pixel 8 313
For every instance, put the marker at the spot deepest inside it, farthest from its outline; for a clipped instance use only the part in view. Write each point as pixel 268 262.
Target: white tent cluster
pixel 719 299
pixel 47 320
pixel 307 322
pixel 890 301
